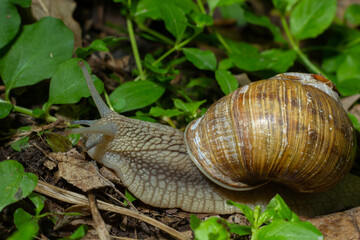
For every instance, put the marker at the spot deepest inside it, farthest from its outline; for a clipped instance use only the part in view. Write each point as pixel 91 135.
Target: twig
pixel 100 226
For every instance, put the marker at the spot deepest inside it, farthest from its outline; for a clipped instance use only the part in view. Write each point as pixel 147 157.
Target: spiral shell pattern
pixel 282 130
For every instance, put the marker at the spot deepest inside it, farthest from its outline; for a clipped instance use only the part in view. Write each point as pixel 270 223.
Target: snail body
pixel 155 163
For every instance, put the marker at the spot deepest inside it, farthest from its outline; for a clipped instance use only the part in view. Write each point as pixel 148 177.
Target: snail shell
pixel 290 129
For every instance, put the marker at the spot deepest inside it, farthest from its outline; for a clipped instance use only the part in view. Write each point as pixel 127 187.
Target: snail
pixel 288 134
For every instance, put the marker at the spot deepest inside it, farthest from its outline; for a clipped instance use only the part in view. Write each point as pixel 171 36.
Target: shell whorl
pixel 276 130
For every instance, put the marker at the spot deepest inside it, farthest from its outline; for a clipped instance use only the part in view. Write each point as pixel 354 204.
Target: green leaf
pixel 222 3
pixel 5 108
pixel 226 80
pixel 134 95
pixel 283 230
pixel 213 228
pixel 79 233
pixel 310 18
pixel 38 200
pixel 280 209
pixel 96 45
pixel 190 108
pixel 265 22
pixel 158 111
pixel 348 75
pixel 194 222
pixel 14 184
pixel 174 18
pixel 284 5
pixel 240 230
pixel 36 54
pixel 234 11
pixel 202 20
pixel 22 3
pixel 278 60
pixel 200 82
pixel 68 84
pixel 354 121
pixel 20 144
pixel 226 64
pixel 204 60
pixel 129 196
pixel 21 217
pixel 9 21
pixel 352 14
pixel 149 60
pixel 27 231
pixel 249 214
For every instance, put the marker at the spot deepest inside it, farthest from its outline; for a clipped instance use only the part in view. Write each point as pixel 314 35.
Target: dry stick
pixel 100 227
pixel 75 198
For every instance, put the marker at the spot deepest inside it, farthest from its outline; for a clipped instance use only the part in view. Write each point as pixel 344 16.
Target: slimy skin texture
pixel 152 162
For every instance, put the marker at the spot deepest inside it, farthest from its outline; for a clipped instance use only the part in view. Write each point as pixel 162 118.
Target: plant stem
pixel 222 40
pixel 134 47
pixel 29 112
pixel 306 61
pixel 201 6
pixel 156 34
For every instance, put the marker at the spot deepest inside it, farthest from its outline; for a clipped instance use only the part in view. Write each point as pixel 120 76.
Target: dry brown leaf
pixel 339 226
pixel 349 101
pixel 355 110
pixel 62 9
pixel 79 172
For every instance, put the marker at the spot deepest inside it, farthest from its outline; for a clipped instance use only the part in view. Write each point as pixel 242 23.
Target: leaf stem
pixel 29 112
pixel 156 34
pixel 134 47
pixel 306 61
pixel 201 6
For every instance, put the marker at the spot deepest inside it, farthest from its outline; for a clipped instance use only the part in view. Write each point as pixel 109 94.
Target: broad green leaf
pixel 36 54
pixel 226 80
pixel 134 95
pixel 283 230
pixel 204 60
pixel 38 200
pixel 5 108
pixel 20 144
pixel 14 184
pixel 284 5
pixel 248 212
pixel 222 3
pixel 354 121
pixel 278 60
pixel 21 217
pixel 352 14
pixel 310 18
pixel 26 232
pixel 190 108
pixel 264 21
pixel 348 75
pixel 174 18
pixel 226 64
pixel 9 21
pixel 158 111
pixel 213 228
pixel 68 84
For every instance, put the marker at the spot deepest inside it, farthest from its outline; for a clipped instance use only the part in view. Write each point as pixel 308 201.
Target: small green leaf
pixel 174 18
pixel 283 230
pixel 14 184
pixel 200 82
pixel 194 222
pixel 20 144
pixel 27 231
pixel 38 200
pixel 284 5
pixel 240 230
pixel 352 14
pixel 38 112
pixel 5 108
pixel 213 228
pixel 280 208
pixel 68 84
pixel 234 11
pixel 226 64
pixel 36 54
pixel 221 3
pixel 226 80
pixel 96 45
pixel 348 75
pixel 190 108
pixel 79 233
pixel 202 20
pixel 21 217
pixel 149 60
pixel 134 95
pixel 310 18
pixel 354 121
pixel 74 138
pixel 204 60
pixel 158 111
pixel 129 197
pixel 249 214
